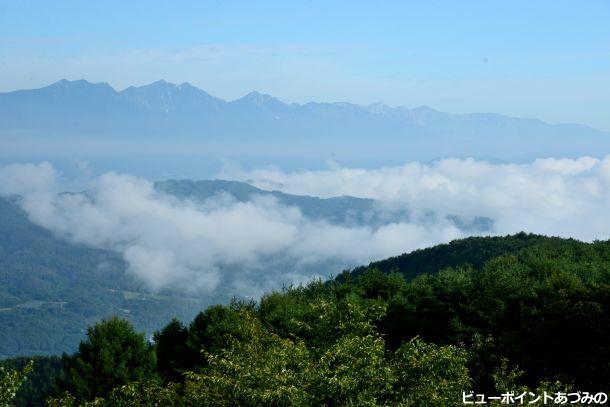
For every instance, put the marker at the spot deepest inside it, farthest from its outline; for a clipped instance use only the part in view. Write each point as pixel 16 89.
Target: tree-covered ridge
pixel 474 251
pixel 517 313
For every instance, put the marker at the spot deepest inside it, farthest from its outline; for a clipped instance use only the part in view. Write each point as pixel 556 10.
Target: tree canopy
pixel 530 315
pixel 112 355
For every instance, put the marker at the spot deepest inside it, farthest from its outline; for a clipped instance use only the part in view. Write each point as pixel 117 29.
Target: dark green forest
pixel 484 314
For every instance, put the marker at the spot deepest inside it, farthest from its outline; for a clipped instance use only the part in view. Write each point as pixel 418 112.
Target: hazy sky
pixel 545 59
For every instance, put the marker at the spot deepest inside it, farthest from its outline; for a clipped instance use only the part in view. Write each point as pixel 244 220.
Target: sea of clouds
pixel 199 246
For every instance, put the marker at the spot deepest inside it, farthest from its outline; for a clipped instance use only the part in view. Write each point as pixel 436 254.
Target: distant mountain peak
pixel 379 107
pixel 79 83
pixel 347 105
pixel 66 82
pixel 166 97
pixel 425 109
pixel 259 99
pixel 61 82
pixel 161 84
pixel 186 85
pixel 80 87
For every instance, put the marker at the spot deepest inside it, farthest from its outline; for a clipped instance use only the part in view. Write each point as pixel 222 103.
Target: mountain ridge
pixel 153 115
pixel 257 97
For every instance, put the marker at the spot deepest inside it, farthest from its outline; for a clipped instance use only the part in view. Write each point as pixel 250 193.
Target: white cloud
pixel 167 242
pixel 248 247
pixel 567 197
pixel 27 179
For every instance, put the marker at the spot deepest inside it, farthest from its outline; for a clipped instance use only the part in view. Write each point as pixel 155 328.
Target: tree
pixel 142 394
pixel 430 375
pixel 259 369
pixel 112 355
pixel 533 319
pixel 10 382
pixel 173 353
pixel 211 330
pixel 41 380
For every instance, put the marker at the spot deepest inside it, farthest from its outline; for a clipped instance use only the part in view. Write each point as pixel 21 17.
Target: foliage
pixel 140 393
pixel 40 381
pixel 113 355
pixel 260 369
pixel 430 374
pixel 173 354
pixel 10 382
pixel 519 312
pixel 352 367
pixel 531 317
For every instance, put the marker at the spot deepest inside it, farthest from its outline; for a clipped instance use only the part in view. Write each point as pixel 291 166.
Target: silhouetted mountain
pixel 344 210
pixel 163 111
pixel 164 97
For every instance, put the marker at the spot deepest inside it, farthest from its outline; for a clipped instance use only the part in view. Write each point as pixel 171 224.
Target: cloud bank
pixel 201 246
pixel 247 247
pixel 564 197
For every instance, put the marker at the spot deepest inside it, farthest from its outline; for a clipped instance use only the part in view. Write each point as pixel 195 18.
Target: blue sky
pixel 544 59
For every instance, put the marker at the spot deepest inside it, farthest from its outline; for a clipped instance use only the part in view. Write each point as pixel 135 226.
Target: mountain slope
pixel 51 290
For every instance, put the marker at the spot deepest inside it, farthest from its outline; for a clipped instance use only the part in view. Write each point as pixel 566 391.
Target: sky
pixel 543 59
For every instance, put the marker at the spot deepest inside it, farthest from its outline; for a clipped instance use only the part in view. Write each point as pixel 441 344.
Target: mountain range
pixel 184 114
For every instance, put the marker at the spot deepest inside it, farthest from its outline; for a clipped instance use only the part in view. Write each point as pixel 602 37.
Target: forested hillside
pixel 51 290
pixel 474 251
pixel 53 285
pixel 518 313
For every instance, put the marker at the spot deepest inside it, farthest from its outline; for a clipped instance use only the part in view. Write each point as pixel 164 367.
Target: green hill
pixel 51 290
pixel 474 251
pixel 522 312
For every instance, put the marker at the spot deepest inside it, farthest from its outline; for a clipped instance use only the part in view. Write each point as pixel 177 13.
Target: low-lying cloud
pixel 175 243
pixel 564 197
pixel 247 247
